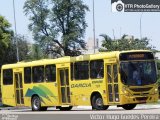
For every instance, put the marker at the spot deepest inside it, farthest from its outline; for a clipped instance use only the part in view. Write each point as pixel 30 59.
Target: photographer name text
pixel 125 117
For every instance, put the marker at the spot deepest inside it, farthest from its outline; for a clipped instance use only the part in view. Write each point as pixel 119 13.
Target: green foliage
pixel 35 53
pixel 5 36
pixel 52 20
pixel 10 55
pixel 23 47
pixel 124 43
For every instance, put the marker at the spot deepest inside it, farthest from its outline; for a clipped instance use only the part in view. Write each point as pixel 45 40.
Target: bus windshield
pixel 138 73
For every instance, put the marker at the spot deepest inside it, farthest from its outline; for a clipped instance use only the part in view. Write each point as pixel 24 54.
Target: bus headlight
pixel 155 90
pixel 125 91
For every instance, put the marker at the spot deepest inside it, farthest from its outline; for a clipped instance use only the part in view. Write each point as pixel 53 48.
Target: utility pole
pixel 140 26
pixel 15 30
pixel 93 27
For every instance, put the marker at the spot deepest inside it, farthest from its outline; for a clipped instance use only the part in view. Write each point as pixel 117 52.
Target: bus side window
pixel 50 73
pixel 8 77
pixel 81 70
pixel 27 75
pixel 96 69
pixel 38 74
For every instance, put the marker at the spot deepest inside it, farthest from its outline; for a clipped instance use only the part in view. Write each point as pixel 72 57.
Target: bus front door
pixel 64 86
pixel 112 80
pixel 19 89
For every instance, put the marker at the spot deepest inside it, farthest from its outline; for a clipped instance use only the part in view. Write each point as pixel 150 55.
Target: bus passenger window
pixel 38 74
pixel 81 70
pixel 50 73
pixel 96 69
pixel 27 75
pixel 8 77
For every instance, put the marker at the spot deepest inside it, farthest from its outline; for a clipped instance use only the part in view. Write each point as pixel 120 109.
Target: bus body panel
pixel 47 92
pixel 8 95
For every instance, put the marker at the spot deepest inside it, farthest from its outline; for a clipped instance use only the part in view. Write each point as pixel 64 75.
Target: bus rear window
pixel 8 77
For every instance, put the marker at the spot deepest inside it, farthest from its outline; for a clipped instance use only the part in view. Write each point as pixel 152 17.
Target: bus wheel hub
pixel 99 102
pixel 36 103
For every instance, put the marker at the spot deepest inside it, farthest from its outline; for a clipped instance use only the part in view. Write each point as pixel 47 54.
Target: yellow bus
pixel 121 78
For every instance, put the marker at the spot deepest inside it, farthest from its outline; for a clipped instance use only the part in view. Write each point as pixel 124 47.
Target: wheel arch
pixel 94 93
pixel 34 95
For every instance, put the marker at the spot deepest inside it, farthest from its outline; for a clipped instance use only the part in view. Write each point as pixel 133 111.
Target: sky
pixel 106 21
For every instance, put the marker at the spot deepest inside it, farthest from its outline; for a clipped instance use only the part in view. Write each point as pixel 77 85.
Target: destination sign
pixel 136 56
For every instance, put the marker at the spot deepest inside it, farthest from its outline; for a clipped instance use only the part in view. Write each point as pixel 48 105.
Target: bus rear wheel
pixel 97 103
pixel 129 106
pixel 36 104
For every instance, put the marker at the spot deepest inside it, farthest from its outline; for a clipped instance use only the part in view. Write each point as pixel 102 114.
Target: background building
pixel 90 46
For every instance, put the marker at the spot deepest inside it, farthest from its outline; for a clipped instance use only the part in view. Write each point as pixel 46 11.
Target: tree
pixel 35 52
pixel 125 44
pixel 53 19
pixel 10 55
pixel 23 46
pixel 5 36
pixel 107 43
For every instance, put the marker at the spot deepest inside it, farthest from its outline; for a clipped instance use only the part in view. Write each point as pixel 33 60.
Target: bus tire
pixel 129 106
pixel 97 103
pixel 65 108
pixel 36 103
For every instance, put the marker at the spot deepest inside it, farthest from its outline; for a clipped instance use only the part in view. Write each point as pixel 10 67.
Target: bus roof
pixel 67 59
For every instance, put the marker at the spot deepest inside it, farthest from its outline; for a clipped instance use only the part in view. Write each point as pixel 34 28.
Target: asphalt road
pixel 83 113
pixel 143 109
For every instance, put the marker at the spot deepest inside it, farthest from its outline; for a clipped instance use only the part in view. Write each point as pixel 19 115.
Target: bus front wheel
pixel 129 106
pixel 97 103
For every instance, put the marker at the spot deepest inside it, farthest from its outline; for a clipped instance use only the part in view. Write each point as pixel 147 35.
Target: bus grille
pixel 141 98
pixel 140 89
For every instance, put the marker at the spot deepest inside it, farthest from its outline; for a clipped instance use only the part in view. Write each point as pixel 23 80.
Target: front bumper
pixel 124 99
